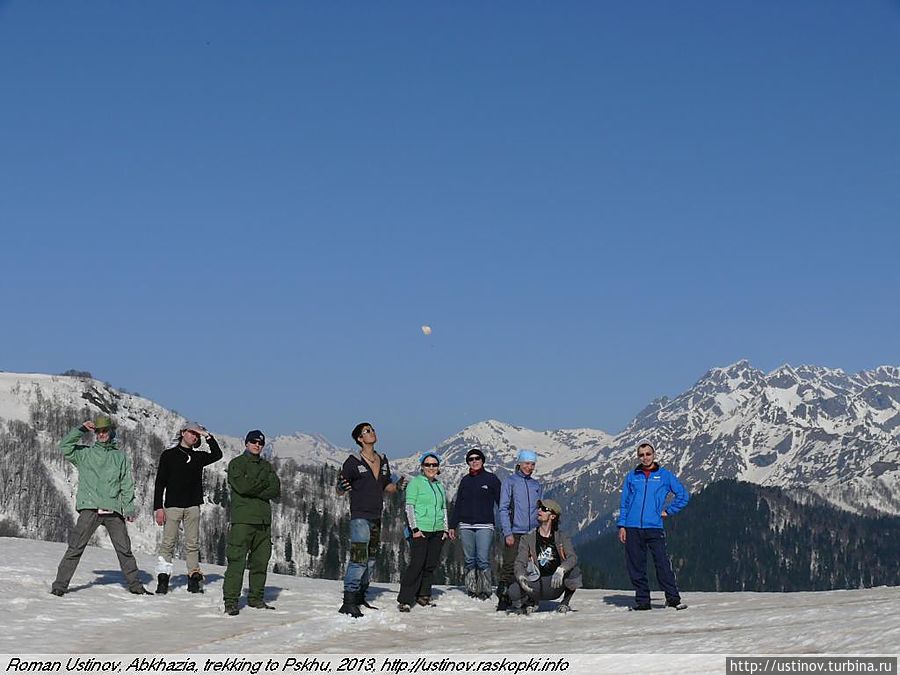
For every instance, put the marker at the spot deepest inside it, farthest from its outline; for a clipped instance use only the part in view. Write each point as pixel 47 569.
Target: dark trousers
pixel 248 546
pixel 424 556
pixel 637 542
pixel 542 590
pixel 507 565
pixel 88 522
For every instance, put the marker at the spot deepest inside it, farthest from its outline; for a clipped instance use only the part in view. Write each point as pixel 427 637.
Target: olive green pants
pixel 248 546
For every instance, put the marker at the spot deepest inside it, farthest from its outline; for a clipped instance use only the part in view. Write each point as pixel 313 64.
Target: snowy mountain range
pixel 804 428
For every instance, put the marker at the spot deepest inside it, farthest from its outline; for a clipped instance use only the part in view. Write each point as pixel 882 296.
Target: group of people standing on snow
pixel 538 559
pixel 106 497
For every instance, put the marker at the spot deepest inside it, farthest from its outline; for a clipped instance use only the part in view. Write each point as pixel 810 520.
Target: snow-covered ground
pixel 99 616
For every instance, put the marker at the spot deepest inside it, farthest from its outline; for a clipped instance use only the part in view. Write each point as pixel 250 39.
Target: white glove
pixel 557 579
pixel 523 582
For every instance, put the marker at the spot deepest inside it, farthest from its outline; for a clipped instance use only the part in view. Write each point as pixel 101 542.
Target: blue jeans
pixel 365 538
pixel 476 544
pixel 638 542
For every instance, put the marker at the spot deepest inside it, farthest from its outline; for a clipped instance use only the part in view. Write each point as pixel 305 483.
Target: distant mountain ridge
pixel 807 428
pixel 803 428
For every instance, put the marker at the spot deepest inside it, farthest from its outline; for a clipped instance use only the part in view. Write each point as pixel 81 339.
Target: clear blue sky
pixel 245 210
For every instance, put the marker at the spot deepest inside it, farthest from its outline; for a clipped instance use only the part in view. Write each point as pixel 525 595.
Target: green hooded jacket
pixel 253 483
pixel 105 480
pixel 426 505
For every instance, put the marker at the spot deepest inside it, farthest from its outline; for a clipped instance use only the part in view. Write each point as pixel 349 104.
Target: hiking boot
pixel 259 604
pixel 194 582
pixel 425 601
pixel 403 607
pixel 503 603
pixel 472 583
pixel 641 606
pixel 139 590
pixel 350 607
pixel 676 603
pixel 57 592
pixel 564 603
pixel 232 610
pixel 361 600
pixel 162 583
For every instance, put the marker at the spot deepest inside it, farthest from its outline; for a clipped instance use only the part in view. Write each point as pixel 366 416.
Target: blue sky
pixel 245 211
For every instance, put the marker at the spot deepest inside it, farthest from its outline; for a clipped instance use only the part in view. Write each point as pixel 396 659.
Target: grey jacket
pixel 528 552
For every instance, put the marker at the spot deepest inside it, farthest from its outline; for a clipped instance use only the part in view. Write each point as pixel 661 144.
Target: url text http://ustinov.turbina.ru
pixel 811 664
pixel 290 664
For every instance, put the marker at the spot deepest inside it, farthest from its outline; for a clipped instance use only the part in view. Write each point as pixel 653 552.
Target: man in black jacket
pixel 176 499
pixel 367 478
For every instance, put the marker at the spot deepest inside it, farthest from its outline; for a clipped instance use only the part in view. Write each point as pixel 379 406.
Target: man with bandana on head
pixel 177 496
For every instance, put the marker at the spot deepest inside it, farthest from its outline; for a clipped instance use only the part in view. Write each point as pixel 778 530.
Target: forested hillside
pixel 737 536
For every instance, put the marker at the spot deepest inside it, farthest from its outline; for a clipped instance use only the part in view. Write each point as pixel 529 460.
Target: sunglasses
pixel 544 509
pixel 259 443
pixel 469 460
pixel 430 465
pixel 103 430
pixel 366 431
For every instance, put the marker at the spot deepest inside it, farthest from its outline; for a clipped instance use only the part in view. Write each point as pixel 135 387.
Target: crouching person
pixel 546 566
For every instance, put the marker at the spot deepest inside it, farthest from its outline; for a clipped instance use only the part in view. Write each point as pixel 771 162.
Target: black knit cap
pixel 474 452
pixel 255 435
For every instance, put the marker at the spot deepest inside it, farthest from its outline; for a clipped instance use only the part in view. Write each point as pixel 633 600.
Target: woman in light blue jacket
pixel 641 514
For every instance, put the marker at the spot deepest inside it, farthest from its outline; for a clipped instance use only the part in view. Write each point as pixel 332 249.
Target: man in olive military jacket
pixel 253 484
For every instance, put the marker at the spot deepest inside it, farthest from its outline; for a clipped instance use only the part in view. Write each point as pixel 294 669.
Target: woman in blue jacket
pixel 519 497
pixel 641 514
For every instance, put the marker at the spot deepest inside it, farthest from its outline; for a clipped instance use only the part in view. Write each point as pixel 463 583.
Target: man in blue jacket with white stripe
pixel 519 496
pixel 641 514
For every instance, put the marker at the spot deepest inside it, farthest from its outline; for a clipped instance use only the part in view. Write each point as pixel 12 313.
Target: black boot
pixel 361 599
pixel 194 582
pixel 564 605
pixel 162 583
pixel 350 606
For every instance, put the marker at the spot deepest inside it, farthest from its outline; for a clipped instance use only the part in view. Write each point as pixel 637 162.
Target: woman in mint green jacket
pixel 426 515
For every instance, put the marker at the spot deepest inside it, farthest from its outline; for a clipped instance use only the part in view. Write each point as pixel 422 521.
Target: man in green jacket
pixel 105 497
pixel 253 484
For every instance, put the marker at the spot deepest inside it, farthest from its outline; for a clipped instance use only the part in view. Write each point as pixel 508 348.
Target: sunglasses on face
pixel 544 509
pixel 430 466
pixel 469 460
pixel 366 431
pixel 103 430
pixel 259 443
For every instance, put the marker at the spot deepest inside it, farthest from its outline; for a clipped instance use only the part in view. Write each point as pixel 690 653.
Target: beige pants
pixel 190 517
